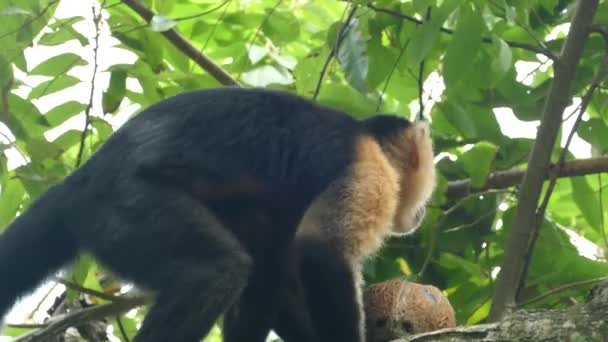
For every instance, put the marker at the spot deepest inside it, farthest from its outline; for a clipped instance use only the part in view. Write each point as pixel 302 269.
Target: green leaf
pixel 6 73
pixel 62 35
pixel 464 45
pixel 53 85
pixel 30 122
pixel 281 27
pixel 587 201
pixel 308 71
pixel 40 149
pixel 164 6
pixel 68 139
pixel 58 65
pixel 353 60
pixel 381 60
pixel 58 115
pixel 473 122
pixel 160 23
pixel 595 132
pixel 116 92
pixel 504 58
pixel 11 197
pixel 548 270
pixel 422 41
pixel 12 10
pixel 478 162
pixel 347 99
pixel 80 271
pixel 102 127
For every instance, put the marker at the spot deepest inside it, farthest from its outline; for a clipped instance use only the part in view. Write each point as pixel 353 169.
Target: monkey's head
pixel 397 308
pixel 417 177
pixel 410 149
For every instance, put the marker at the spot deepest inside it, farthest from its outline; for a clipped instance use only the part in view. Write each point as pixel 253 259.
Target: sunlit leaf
pixel 58 65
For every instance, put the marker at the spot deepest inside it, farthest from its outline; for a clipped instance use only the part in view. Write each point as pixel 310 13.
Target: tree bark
pixel 509 178
pixel 586 322
pixel 518 244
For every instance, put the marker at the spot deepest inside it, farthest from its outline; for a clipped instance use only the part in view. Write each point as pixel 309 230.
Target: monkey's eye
pixel 381 322
pixel 407 326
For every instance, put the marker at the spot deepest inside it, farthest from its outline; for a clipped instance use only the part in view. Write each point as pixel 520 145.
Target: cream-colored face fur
pixel 418 178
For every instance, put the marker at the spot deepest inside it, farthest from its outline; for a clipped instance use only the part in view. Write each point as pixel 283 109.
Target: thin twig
pixel 87 111
pixel 59 324
pixel 198 15
pixel 12 144
pixel 334 50
pixel 215 26
pixel 444 216
pixel 533 71
pixel 122 329
pixel 561 289
pixel 85 290
pixel 6 91
pixel 421 76
pixel 601 204
pixel 25 326
pixel 390 74
pixel 533 48
pixel 471 224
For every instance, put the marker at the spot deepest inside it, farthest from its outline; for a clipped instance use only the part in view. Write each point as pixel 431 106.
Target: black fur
pixel 385 126
pixel 196 198
pixel 321 304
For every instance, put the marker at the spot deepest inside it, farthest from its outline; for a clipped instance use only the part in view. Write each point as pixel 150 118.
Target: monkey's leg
pixel 331 291
pixel 293 322
pixel 251 317
pixel 195 266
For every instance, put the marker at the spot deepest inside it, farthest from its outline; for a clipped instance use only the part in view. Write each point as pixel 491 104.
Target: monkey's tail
pixel 34 245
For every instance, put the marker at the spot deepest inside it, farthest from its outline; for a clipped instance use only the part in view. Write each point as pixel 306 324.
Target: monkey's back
pixel 231 133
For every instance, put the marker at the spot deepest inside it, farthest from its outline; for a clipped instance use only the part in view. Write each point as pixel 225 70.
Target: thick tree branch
pixel 505 179
pixel 184 46
pixel 525 216
pixel 582 322
pixel 59 324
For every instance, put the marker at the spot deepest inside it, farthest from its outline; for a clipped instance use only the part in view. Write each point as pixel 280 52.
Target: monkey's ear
pixel 413 158
pixel 415 137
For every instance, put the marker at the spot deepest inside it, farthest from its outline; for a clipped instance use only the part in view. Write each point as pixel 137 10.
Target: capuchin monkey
pixel 348 222
pixel 197 199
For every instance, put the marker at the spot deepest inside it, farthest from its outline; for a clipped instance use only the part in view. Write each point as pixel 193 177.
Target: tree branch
pixel 542 208
pixel 581 322
pixel 505 179
pixel 59 324
pixel 531 186
pixel 562 288
pixel 184 46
